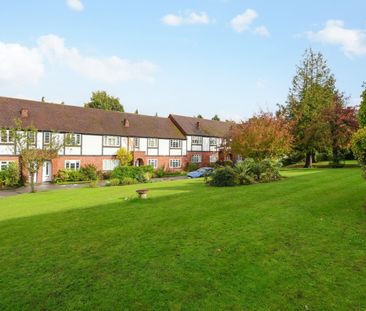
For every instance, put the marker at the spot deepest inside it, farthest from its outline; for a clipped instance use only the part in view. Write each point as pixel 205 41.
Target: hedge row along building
pixel 96 135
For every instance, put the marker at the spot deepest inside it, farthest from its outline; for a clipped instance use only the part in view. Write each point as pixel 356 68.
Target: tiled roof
pixel 201 127
pixel 73 119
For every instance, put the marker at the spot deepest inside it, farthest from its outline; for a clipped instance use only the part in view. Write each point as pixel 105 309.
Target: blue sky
pixel 230 57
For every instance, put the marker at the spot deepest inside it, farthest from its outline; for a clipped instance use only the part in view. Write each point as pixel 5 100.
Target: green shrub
pixel 128 181
pixel 270 171
pixel 113 182
pixel 160 172
pixel 88 172
pixel 140 174
pixel 359 148
pixel 192 167
pixel 251 171
pixel 245 170
pixel 93 184
pixel 228 163
pixel 359 145
pixel 106 175
pixel 10 176
pixel 224 177
pixel 68 175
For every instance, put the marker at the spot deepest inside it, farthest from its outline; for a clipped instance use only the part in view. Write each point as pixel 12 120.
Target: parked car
pixel 201 172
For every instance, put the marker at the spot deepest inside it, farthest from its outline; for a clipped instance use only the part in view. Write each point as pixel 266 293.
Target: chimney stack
pixel 198 124
pixel 24 113
pixel 126 123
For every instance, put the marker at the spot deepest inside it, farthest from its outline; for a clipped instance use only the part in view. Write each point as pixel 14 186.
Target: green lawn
pixel 297 244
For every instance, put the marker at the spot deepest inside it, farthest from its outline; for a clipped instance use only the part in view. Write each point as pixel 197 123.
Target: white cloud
pixel 189 18
pixel 242 22
pixel 262 31
pixel 20 64
pixel 75 5
pixel 110 69
pixel 351 41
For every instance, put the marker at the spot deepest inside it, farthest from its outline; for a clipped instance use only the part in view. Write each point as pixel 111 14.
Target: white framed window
pixel 213 141
pixel 213 158
pixel 46 138
pixel 152 142
pixel 196 158
pixel 153 163
pixel 6 137
pixel 175 143
pixel 72 165
pixel 4 165
pixel 239 158
pixel 196 140
pixel 73 139
pixel 136 143
pixel 175 163
pixel 110 165
pixel 111 141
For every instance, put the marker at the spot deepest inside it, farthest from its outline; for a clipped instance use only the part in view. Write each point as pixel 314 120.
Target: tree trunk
pixel 32 183
pixel 309 160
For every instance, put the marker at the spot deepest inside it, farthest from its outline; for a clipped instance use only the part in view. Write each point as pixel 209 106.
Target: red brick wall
pixel 205 156
pixel 163 161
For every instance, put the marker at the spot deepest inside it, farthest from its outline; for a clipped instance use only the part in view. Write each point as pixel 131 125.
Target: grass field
pixel 297 244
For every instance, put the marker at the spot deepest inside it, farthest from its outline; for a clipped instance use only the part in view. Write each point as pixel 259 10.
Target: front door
pixel 47 171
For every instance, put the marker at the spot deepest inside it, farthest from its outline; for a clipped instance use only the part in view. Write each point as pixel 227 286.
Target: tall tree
pixel 313 89
pixel 216 118
pixel 101 100
pixel 362 110
pixel 199 116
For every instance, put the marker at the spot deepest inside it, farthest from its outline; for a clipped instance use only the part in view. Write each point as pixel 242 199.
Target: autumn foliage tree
pixel 341 122
pixel 264 136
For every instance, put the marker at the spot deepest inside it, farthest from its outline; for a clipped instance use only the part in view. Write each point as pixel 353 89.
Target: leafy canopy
pixel 101 100
pixel 262 136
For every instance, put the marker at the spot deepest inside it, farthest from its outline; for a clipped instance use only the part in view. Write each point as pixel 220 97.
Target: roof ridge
pixel 79 107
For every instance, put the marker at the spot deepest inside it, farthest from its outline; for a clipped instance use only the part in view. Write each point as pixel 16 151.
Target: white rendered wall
pixel 92 145
pixel 164 147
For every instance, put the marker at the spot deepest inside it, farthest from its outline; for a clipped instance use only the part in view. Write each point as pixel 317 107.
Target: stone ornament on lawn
pixel 142 193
